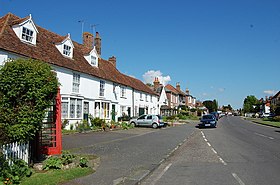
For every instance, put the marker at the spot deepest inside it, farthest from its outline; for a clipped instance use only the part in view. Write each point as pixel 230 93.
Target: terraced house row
pixel 89 84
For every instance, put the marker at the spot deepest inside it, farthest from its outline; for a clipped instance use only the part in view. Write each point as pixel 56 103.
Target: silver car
pixel 148 120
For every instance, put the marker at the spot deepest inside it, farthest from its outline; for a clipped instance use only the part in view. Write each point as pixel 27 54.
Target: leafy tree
pixel 27 89
pixel 251 104
pixel 211 105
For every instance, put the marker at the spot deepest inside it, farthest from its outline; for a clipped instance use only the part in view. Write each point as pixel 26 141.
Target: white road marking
pixel 264 136
pixel 238 179
pixel 222 161
pixel 214 151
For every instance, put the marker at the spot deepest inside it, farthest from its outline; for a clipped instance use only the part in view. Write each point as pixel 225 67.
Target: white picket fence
pixel 16 151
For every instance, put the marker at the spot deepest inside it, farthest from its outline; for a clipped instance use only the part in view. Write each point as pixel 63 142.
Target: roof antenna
pixel 82 25
pixel 93 27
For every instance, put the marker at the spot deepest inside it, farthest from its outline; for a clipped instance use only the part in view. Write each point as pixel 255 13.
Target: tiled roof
pixel 171 88
pixel 46 51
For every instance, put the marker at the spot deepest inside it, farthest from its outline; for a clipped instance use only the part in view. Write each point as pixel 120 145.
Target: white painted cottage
pixel 90 85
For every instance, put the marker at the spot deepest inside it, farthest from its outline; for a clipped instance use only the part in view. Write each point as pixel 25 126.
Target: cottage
pixel 90 85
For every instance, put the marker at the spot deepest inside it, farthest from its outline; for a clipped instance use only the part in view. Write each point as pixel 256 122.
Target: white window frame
pixel 67 50
pixel 123 92
pixel 102 88
pixel 76 83
pixel 27 34
pixel 141 96
pixel 93 60
pixel 74 108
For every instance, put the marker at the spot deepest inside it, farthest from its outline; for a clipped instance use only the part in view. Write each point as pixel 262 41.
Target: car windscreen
pixel 207 117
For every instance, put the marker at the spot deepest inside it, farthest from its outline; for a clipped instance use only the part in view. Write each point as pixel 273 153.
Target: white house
pixel 89 84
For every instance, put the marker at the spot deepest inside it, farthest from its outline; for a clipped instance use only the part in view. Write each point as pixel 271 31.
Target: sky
pixel 218 49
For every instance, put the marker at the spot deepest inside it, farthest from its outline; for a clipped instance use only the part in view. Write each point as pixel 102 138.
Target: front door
pixel 113 112
pixel 141 111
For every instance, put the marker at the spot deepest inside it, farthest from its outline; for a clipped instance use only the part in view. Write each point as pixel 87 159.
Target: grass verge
pixel 265 122
pixel 54 177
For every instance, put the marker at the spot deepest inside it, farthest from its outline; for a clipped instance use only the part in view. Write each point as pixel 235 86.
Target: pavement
pixel 127 156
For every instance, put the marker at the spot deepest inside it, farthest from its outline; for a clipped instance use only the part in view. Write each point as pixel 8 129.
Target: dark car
pixel 216 114
pixel 208 120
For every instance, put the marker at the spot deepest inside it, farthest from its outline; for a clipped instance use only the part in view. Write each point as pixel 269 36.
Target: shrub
pixel 276 118
pixel 83 126
pixel 27 88
pixel 52 162
pixel 12 174
pixel 67 157
pixel 97 122
pixel 83 162
pixel 64 123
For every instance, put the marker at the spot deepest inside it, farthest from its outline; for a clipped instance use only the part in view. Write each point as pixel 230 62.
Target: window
pixel 141 96
pixel 86 108
pixel 105 107
pixel 146 97
pixel 151 98
pixel 93 60
pixel 150 117
pixel 79 108
pixel 64 111
pixel 76 82
pixel 102 88
pixel 66 50
pixel 123 110
pixel 27 34
pixel 72 107
pixel 123 92
pixel 75 108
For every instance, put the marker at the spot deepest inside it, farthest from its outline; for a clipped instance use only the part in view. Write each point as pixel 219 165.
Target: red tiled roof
pixel 171 88
pixel 46 51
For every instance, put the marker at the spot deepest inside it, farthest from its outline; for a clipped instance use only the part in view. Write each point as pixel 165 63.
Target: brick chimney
pixel 88 40
pixel 97 43
pixel 156 83
pixel 178 87
pixel 113 60
pixel 187 91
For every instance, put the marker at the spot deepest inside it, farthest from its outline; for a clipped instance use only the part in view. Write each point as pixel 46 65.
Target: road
pixel 126 155
pixel 237 152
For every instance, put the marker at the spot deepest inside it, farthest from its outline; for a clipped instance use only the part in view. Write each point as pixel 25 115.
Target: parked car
pixel 208 120
pixel 148 120
pixel 216 114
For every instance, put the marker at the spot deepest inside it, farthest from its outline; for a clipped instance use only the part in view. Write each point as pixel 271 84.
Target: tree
pixel 27 89
pixel 251 104
pixel 211 105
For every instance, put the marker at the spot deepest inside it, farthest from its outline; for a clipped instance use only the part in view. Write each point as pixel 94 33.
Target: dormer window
pixel 27 34
pixel 66 47
pixel 26 31
pixel 93 60
pixel 66 50
pixel 92 57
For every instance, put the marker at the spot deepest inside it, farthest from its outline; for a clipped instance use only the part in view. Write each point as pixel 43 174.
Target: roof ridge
pixel 7 17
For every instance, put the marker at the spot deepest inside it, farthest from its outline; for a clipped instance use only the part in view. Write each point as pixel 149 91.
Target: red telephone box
pixel 50 139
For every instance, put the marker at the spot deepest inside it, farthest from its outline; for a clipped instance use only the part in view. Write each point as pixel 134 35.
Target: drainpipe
pixel 132 108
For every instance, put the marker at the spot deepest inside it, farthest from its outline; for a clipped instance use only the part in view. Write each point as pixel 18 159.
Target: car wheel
pixel 154 125
pixel 133 124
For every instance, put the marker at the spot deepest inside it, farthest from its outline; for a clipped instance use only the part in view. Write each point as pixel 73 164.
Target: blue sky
pixel 219 49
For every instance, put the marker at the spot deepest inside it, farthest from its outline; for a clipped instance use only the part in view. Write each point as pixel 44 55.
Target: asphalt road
pixel 127 155
pixel 237 152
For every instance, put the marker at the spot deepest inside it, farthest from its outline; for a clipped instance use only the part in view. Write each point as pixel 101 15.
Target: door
pixel 149 120
pixel 141 120
pixel 141 111
pixel 113 112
